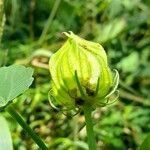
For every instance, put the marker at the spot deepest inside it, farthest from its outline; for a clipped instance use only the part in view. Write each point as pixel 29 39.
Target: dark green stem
pixel 26 127
pixel 89 127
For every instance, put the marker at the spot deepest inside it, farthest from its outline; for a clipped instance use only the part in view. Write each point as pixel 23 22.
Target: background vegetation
pixel 33 32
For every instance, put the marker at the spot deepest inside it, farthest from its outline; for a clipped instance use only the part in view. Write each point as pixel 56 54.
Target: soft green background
pixel 33 32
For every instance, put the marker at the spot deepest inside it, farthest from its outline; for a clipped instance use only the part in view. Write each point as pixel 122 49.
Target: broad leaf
pixel 5 136
pixel 146 143
pixel 14 80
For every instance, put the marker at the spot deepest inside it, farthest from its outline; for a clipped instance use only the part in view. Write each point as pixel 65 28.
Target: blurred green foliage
pixel 145 144
pixel 122 27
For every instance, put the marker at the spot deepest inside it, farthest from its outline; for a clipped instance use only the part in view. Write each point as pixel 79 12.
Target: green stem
pixel 89 127
pixel 49 21
pixel 25 126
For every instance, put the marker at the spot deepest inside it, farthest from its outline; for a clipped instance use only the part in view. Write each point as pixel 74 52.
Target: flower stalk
pixel 89 127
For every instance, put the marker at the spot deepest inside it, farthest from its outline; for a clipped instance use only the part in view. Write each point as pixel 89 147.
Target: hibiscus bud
pixel 80 74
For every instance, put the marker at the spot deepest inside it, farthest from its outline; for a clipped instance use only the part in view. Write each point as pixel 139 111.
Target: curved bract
pixel 80 74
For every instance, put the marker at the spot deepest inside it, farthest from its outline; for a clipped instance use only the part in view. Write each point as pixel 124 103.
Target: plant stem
pixel 26 127
pixel 49 21
pixel 89 127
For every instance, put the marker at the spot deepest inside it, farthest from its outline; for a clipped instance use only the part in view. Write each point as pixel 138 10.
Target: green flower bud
pixel 80 74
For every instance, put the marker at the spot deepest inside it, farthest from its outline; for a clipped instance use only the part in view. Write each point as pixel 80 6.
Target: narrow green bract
pixel 89 61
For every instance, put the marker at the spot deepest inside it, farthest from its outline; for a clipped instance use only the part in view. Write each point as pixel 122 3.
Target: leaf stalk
pixel 10 109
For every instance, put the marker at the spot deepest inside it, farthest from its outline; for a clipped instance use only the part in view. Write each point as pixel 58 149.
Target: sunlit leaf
pixel 14 80
pixel 5 136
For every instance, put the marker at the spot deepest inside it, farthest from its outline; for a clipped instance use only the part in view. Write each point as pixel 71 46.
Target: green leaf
pixel 146 143
pixel 110 30
pixel 14 80
pixel 129 63
pixel 5 136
